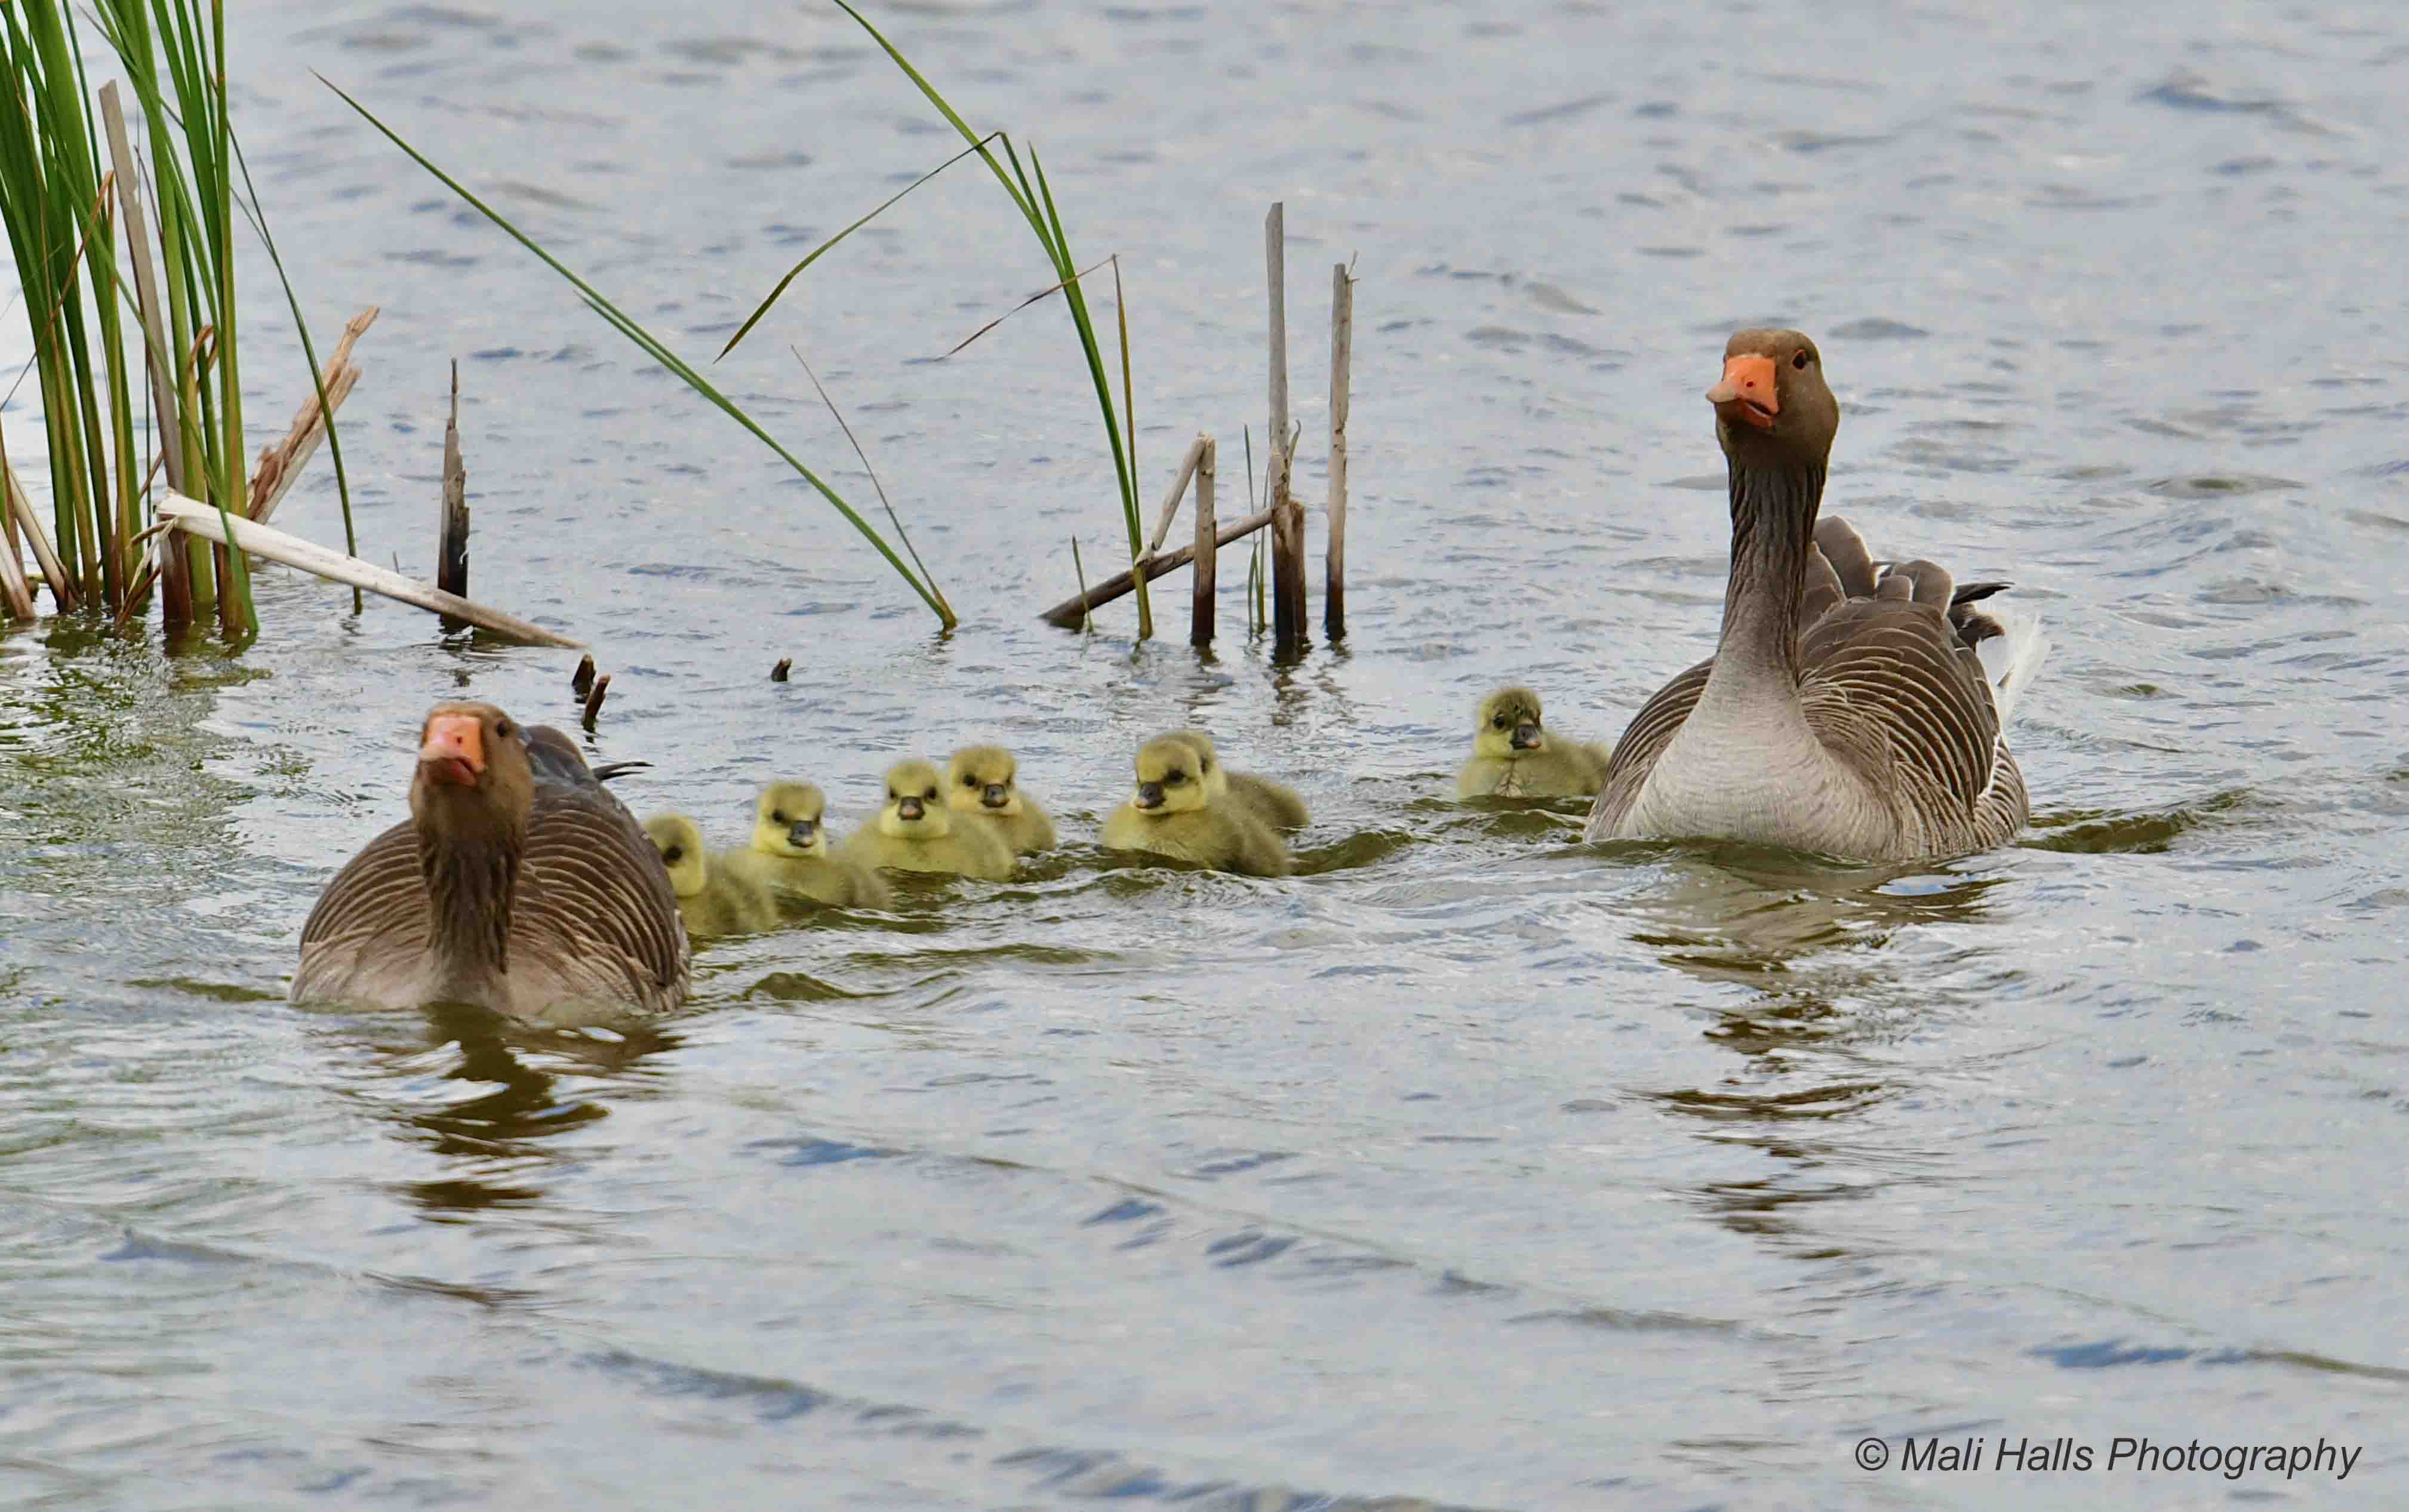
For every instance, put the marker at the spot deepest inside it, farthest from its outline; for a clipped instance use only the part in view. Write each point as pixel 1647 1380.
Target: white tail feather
pixel 2011 659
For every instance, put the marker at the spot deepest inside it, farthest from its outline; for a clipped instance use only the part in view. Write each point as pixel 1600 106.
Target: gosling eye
pixel 777 816
pixel 1173 779
pixel 970 779
pixel 673 854
pixel 502 728
pixel 1801 360
pixel 1499 723
pixel 930 793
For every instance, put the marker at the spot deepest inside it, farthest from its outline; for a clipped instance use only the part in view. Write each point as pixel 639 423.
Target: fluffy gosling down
pixel 1274 804
pixel 916 831
pixel 984 782
pixel 711 898
pixel 789 853
pixel 1515 755
pixel 1175 812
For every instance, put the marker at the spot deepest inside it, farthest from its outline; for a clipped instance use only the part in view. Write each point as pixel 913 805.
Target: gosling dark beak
pixel 1149 795
pixel 995 796
pixel 1526 738
pixel 908 808
pixel 802 832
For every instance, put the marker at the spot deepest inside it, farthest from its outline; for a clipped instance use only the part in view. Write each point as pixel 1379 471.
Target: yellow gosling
pixel 1174 813
pixel 790 854
pixel 1276 804
pixel 916 831
pixel 711 898
pixel 1515 755
pixel 984 781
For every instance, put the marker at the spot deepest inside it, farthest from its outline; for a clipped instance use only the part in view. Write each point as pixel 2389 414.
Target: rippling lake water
pixel 1471 1168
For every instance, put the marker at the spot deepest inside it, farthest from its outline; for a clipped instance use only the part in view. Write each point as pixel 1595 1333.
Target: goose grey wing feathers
pixel 595 908
pixel 1889 685
pixel 1824 591
pixel 555 758
pixel 375 909
pixel 1973 626
pixel 1845 550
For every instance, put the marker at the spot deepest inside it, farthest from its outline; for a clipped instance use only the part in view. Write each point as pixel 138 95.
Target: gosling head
pixel 786 820
pixel 1772 405
pixel 473 772
pixel 915 803
pixel 1170 778
pixel 679 843
pixel 1209 760
pixel 983 779
pixel 1509 725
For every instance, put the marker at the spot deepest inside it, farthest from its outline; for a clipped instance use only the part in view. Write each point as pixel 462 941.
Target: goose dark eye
pixel 1173 779
pixel 777 816
pixel 502 728
pixel 970 779
pixel 1499 723
pixel 930 793
pixel 1799 361
pixel 673 854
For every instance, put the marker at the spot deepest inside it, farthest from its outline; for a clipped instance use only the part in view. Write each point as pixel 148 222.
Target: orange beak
pixel 452 749
pixel 1746 391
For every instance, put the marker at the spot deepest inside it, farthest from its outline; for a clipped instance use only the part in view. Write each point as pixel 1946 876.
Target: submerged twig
pixel 1342 357
pixel 1206 552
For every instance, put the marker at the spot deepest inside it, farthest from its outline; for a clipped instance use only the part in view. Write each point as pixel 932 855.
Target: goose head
pixel 1508 725
pixel 1771 404
pixel 1170 778
pixel 915 803
pixel 474 783
pixel 983 779
pixel 786 820
pixel 680 842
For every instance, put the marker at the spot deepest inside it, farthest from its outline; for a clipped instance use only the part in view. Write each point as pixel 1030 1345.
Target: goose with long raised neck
pixel 1853 708
pixel 517 885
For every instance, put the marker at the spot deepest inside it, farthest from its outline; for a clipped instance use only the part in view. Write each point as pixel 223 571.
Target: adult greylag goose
pixel 1851 708
pixel 517 885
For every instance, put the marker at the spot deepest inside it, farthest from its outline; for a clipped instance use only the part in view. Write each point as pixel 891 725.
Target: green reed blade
pixel 652 346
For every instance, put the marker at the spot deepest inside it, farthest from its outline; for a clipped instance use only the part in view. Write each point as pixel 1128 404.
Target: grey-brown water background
pixel 1471 1167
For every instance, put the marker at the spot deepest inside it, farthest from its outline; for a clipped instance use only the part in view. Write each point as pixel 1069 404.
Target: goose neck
pixel 1773 509
pixel 470 883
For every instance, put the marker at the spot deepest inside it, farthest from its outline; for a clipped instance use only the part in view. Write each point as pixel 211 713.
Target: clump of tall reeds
pixel 107 301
